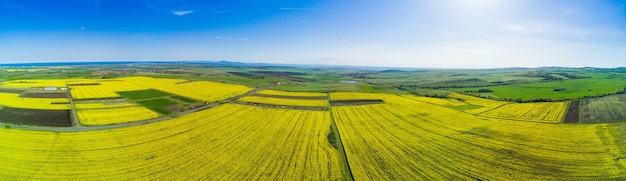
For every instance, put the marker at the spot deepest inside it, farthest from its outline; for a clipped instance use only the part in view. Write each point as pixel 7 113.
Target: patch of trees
pixel 455 75
pixel 558 89
pixel 484 90
pixel 553 76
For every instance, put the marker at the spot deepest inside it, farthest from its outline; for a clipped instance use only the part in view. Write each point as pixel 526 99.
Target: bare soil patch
pixel 82 84
pixel 356 102
pixel 292 97
pixel 36 117
pixel 174 108
pixel 18 91
pixel 572 113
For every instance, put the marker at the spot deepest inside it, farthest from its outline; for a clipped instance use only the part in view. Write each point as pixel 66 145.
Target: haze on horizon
pixel 403 33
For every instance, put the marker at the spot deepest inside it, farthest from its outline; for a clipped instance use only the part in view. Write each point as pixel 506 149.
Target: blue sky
pixel 399 33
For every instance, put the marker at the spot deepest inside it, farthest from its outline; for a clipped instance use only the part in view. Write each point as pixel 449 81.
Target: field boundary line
pixel 73 114
pixel 480 113
pixel 76 128
pixel 342 150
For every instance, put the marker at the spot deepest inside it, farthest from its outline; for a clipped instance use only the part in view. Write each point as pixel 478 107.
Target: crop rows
pixel 13 100
pixel 411 140
pixel 604 109
pixel 485 104
pixel 200 90
pixel 102 105
pixel 353 96
pixel 549 112
pixel 92 92
pixel 285 93
pixel 106 89
pixel 42 83
pixel 228 142
pixel 115 115
pixel 436 101
pixel 283 101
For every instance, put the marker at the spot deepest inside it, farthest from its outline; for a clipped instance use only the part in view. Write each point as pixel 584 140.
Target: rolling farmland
pixel 482 105
pixel 323 90
pixel 548 112
pixel 285 93
pixel 100 105
pixel 597 84
pixel 200 90
pixel 14 100
pixel 129 128
pixel 43 82
pixel 103 89
pixel 353 96
pixel 115 115
pixel 436 101
pixel 285 102
pixel 220 143
pixel 410 139
pixel 92 92
pixel 604 109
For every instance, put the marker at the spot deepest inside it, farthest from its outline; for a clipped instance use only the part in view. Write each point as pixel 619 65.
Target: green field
pixel 420 128
pixel 184 99
pixel 604 109
pixel 158 105
pixel 598 84
pixel 143 94
pixel 158 101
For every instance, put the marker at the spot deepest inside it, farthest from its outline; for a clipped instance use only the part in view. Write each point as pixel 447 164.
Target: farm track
pixel 78 127
pixel 73 115
pixel 341 147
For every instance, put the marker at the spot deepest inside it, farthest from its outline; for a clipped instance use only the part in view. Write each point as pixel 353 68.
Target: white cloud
pixel 182 13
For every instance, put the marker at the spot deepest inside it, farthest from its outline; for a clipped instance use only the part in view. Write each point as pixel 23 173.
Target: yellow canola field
pixel 43 82
pixel 436 101
pixel 151 81
pixel 283 101
pixel 286 93
pixel 228 142
pixel 200 90
pixel 485 103
pixel 92 92
pixel 13 100
pixel 411 140
pixel 114 115
pixel 354 96
pixel 549 112
pixel 106 89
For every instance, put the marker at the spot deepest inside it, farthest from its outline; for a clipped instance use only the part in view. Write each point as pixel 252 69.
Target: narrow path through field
pixel 78 127
pixel 73 116
pixel 341 148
